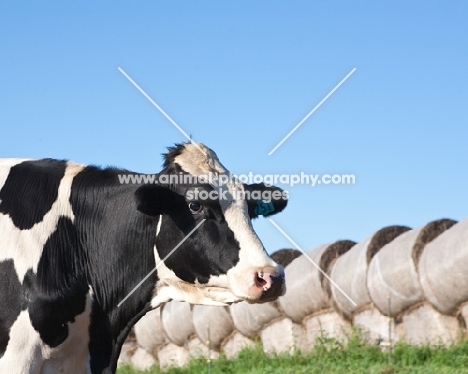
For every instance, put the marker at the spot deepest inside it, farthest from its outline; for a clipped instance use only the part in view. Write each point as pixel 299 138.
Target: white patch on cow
pixel 252 254
pixel 194 162
pixel 24 352
pixel 240 279
pixel 25 246
pixel 193 294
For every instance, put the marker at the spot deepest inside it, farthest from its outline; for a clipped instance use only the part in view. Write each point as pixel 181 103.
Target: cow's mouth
pixel 265 285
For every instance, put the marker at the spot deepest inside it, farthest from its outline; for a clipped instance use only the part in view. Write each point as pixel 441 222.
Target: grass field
pixel 330 356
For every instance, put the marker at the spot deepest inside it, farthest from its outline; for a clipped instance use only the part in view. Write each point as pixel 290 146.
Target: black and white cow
pixel 75 241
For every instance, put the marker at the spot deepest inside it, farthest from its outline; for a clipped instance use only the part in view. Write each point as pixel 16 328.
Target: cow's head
pixel 223 260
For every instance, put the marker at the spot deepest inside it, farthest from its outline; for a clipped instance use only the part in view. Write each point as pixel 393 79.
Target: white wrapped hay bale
pixel 443 268
pixel 142 360
pixel 235 343
pixel 328 324
pixel 349 271
pixel 392 278
pixel 425 325
pixel 304 281
pixel 304 294
pixel 283 336
pixel 149 331
pixel 199 349
pixel 249 319
pixel 213 323
pixel 176 318
pixel 377 328
pixel 172 355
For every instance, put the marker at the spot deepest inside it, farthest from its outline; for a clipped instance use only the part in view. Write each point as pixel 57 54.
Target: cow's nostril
pixel 259 281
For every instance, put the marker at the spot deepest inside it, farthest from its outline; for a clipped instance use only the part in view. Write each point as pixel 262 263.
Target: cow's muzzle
pixel 270 282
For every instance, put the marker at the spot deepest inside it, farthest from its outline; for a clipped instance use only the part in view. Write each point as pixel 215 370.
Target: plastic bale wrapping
pixel 212 323
pixel 328 324
pixel 176 318
pixel 198 349
pixel 249 319
pixel 392 278
pixel 349 272
pixel 235 343
pixel 425 325
pixel 283 336
pixel 304 292
pixel 443 269
pixel 149 331
pixel 172 355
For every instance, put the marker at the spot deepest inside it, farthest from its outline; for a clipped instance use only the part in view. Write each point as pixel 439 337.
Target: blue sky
pixel 238 76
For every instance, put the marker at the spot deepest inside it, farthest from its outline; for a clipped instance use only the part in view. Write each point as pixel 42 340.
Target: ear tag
pixel 263 208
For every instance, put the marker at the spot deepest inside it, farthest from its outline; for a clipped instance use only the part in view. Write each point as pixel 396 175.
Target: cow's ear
pixel 265 200
pixel 155 200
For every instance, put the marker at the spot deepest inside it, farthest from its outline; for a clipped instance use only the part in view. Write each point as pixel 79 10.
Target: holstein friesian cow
pixel 75 241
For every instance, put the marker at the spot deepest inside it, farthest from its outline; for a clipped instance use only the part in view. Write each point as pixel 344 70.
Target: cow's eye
pixel 195 207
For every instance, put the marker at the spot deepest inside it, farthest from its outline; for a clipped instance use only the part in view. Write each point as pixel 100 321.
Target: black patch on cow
pixel 211 250
pixel 30 190
pixel 11 301
pixel 58 290
pixel 155 200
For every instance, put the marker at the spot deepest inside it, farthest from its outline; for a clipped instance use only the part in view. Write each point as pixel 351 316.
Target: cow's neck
pixel 118 246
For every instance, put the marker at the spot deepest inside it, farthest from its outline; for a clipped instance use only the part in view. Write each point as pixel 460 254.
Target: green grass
pixel 331 356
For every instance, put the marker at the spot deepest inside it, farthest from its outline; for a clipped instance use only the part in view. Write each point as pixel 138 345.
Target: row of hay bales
pixel 397 284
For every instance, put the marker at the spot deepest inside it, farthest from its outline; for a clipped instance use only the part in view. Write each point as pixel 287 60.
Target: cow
pixel 84 255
